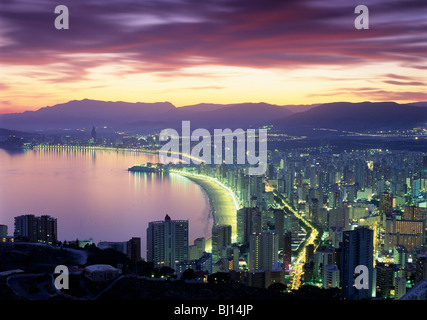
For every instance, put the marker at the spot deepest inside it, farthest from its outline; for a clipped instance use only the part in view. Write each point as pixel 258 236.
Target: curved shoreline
pixel 221 202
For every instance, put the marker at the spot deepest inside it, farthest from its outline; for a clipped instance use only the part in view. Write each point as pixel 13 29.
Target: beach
pixel 221 201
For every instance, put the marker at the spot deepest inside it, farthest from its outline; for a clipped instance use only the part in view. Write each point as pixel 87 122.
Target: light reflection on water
pixel 92 194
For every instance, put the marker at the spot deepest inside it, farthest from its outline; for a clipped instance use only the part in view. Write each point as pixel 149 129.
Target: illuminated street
pixel 300 259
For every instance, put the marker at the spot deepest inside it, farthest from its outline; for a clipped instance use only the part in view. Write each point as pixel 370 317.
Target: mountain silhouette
pixel 123 115
pixel 211 116
pixel 363 115
pixel 84 114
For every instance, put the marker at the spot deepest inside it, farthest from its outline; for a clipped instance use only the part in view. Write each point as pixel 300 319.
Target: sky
pixel 212 51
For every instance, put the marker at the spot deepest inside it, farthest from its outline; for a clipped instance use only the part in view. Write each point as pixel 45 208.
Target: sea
pixel 92 194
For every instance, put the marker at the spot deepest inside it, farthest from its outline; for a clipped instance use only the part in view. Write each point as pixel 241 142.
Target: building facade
pixel 262 250
pixel 41 229
pixel 357 250
pixel 167 242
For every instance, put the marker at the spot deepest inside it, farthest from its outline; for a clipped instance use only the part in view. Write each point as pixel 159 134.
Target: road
pixel 300 259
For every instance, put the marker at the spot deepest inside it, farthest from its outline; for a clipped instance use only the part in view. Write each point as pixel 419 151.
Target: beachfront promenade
pixel 222 200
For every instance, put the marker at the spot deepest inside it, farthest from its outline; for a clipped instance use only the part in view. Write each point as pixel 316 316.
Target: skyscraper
pixel 385 280
pixel 221 237
pixel 26 228
pixel 262 250
pixel 167 242
pixel 357 250
pixel 386 203
pixel 414 213
pixel 279 226
pixel 47 229
pixel 248 222
pixel 93 134
pixel 134 249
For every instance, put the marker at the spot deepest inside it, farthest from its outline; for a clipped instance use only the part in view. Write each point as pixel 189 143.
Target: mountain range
pixel 134 117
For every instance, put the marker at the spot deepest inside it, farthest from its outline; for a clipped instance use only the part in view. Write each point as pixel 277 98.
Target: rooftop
pixel 100 267
pixel 419 292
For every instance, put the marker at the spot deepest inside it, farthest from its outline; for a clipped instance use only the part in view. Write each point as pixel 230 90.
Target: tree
pixel 164 271
pixel 278 287
pixel 188 274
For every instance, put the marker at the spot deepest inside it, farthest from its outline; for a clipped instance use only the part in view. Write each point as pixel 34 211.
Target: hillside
pixel 363 115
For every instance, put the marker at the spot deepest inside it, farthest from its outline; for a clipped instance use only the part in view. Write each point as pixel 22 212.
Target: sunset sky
pixel 214 51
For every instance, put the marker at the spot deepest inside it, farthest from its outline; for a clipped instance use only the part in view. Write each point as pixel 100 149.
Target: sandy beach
pixel 221 201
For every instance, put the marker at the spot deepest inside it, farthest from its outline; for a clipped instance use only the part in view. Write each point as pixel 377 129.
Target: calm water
pixel 92 194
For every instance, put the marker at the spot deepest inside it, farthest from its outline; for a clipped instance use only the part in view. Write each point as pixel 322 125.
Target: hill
pixel 363 115
pixel 83 114
pixel 143 117
pixel 212 116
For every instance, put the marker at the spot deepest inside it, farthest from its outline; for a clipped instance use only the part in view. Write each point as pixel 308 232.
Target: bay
pixel 92 194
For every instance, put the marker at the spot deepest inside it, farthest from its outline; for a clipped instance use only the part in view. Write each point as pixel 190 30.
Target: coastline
pixel 221 202
pixel 223 205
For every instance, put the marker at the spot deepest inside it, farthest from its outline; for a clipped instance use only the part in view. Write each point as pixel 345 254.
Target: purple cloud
pixel 161 36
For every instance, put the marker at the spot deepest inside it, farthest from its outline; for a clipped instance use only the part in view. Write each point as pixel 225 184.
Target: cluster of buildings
pixel 370 204
pixel 30 228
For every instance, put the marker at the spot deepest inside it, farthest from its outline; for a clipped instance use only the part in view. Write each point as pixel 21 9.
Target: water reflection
pixel 92 194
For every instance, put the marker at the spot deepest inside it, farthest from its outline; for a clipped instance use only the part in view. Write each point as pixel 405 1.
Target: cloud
pixel 402 83
pixel 3 86
pixel 212 45
pixel 163 34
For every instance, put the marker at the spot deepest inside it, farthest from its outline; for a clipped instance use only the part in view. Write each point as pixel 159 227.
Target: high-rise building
pixel 415 213
pixel 93 134
pixel 399 287
pixel 41 229
pixel 167 242
pixel 357 250
pixel 196 251
pixel 262 250
pixel 47 229
pixel 221 237
pixel 420 268
pixel 248 222
pixel 409 233
pixel 309 252
pixel 339 217
pixel 3 230
pixel 386 203
pixel 415 187
pixel 313 212
pixel 385 280
pixel 279 226
pixel 134 249
pixel 331 276
pixel 26 228
pixel 359 173
pixel 400 256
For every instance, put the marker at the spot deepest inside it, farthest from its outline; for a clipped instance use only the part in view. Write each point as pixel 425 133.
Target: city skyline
pixel 188 52
pixel 131 133
pixel 334 213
